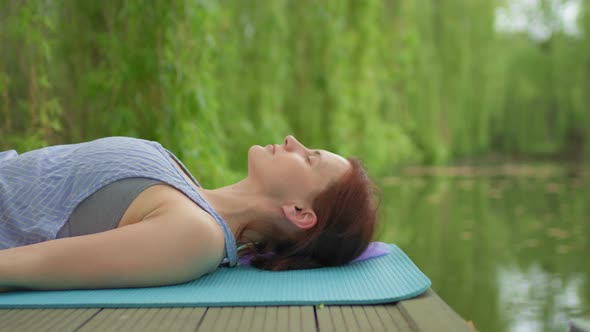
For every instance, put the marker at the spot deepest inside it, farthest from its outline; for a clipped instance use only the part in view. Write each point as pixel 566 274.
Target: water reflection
pixel 534 300
pixel 508 252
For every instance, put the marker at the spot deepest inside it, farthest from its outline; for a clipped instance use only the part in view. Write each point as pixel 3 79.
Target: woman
pixel 125 212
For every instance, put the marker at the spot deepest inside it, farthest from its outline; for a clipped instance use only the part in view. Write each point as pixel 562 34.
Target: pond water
pixel 509 252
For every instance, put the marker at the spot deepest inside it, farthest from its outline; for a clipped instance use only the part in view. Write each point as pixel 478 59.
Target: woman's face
pixel 292 171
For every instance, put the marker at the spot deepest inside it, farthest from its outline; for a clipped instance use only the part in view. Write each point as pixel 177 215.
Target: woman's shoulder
pixel 166 204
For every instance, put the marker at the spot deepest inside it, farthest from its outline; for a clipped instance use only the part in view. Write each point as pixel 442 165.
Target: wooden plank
pixel 389 317
pixel 266 317
pixel 145 319
pixel 44 319
pixel 424 313
pixel 308 320
pixel 159 319
pixel 361 318
pixel 182 319
pixel 233 315
pixel 211 321
pixel 239 318
pixel 305 315
pixel 247 319
pixel 349 320
pixel 378 317
pixel 428 312
pixel 283 318
pixel 324 319
pixel 13 319
pixel 258 316
pixel 337 318
pixel 164 319
pixel 70 319
pixel 398 319
pixel 270 319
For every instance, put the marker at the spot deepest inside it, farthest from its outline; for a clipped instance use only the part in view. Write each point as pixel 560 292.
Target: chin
pixel 260 162
pixel 253 156
pixel 254 151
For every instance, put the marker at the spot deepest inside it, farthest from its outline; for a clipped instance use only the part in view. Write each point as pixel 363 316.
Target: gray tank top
pixel 103 210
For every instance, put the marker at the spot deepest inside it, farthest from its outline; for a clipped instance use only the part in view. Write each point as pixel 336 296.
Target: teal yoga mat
pixel 388 278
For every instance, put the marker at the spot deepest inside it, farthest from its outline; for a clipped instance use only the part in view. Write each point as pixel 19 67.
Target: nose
pixel 291 143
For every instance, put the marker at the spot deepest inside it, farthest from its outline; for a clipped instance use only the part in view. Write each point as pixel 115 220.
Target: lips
pixel 272 148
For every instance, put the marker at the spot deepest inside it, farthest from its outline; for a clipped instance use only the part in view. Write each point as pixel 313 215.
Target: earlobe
pixel 302 218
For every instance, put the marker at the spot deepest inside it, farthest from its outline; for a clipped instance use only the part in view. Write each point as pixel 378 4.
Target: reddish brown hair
pixel 346 217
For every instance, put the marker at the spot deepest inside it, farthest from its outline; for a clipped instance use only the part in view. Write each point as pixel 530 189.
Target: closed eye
pixel 316 154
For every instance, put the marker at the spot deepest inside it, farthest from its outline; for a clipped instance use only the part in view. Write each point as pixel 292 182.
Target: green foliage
pixel 391 82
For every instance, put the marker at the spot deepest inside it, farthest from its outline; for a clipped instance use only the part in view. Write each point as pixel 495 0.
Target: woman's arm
pixel 168 248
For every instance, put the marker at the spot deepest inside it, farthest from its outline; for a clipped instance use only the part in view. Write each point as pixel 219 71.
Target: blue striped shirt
pixel 39 189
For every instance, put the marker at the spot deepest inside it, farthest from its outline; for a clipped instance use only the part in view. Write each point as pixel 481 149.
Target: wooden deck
pixel 424 313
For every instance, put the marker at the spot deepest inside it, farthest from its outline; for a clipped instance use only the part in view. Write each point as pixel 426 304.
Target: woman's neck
pixel 241 203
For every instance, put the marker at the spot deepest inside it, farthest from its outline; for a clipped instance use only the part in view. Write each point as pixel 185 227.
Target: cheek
pixel 281 173
pixel 263 166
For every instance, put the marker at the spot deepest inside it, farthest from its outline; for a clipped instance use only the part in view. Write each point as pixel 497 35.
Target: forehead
pixel 334 162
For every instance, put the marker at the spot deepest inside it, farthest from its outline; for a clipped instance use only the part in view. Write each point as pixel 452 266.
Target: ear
pixel 303 218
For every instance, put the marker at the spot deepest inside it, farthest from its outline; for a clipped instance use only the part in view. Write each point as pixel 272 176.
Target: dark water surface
pixel 507 252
